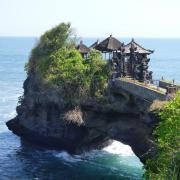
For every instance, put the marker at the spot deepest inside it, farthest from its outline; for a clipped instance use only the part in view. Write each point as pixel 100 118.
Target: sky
pixel 92 18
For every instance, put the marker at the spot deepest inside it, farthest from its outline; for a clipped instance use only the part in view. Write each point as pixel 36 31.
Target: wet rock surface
pixel 42 119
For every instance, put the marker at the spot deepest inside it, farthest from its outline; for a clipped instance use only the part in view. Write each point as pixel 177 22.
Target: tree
pixel 53 40
pixel 67 70
pixel 56 61
pixel 166 164
pixel 98 72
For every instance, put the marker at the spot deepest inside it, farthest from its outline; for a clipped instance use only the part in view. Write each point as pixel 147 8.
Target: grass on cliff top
pixel 166 164
pixel 57 61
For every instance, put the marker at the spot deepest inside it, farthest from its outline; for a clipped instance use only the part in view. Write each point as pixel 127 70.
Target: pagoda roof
pixel 82 48
pixel 137 48
pixel 109 44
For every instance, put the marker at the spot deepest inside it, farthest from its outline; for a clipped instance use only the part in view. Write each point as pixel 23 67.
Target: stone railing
pixel 170 86
pixel 144 91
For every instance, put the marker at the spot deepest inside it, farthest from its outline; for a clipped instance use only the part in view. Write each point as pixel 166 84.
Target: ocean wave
pixel 115 148
pixel 119 148
pixel 67 157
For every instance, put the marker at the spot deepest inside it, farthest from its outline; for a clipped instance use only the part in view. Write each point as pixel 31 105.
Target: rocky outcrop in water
pixel 44 118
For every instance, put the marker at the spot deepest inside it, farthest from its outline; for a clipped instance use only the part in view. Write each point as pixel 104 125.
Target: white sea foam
pixel 8 116
pixel 119 148
pixel 115 148
pixel 67 157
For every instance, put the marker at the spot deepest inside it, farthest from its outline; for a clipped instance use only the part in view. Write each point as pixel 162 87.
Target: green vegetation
pixel 53 40
pixel 166 164
pixel 61 66
pixel 57 61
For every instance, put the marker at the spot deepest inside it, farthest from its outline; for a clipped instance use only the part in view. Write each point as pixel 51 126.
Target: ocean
pixel 20 160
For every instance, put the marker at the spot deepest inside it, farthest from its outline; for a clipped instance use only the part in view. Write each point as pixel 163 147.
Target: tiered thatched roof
pixel 109 44
pixel 82 48
pixel 136 47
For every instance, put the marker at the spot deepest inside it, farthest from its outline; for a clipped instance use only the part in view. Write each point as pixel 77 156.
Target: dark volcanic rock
pixel 46 119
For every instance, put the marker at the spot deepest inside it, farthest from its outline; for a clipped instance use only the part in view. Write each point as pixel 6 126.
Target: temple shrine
pixel 129 62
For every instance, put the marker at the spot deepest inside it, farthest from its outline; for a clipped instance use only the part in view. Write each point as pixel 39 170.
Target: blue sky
pixel 92 18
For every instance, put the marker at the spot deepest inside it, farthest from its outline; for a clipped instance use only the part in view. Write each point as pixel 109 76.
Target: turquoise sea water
pixel 20 160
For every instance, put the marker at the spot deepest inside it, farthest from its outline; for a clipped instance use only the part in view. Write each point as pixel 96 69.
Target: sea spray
pixel 119 148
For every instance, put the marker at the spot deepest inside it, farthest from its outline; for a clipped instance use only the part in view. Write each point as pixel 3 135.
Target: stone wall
pixel 142 92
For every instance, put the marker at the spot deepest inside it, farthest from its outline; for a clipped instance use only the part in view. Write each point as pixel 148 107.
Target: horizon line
pixel 138 37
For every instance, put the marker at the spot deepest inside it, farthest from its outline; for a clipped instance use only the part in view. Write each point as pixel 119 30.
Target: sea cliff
pixel 72 106
pixel 43 117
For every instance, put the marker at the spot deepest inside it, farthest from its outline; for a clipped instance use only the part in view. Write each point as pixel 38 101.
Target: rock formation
pixel 45 119
pixel 56 73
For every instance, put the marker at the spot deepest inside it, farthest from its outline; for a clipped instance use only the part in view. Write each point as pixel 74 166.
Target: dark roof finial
pixel 132 40
pixel 132 48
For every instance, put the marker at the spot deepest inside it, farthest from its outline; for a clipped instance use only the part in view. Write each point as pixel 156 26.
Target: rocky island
pixel 75 100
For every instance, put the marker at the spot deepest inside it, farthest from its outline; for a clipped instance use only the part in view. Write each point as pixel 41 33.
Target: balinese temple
pixel 83 49
pixel 136 61
pixel 138 49
pixel 125 60
pixel 108 46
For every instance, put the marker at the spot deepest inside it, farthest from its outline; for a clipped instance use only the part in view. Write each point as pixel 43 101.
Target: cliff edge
pixel 69 105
